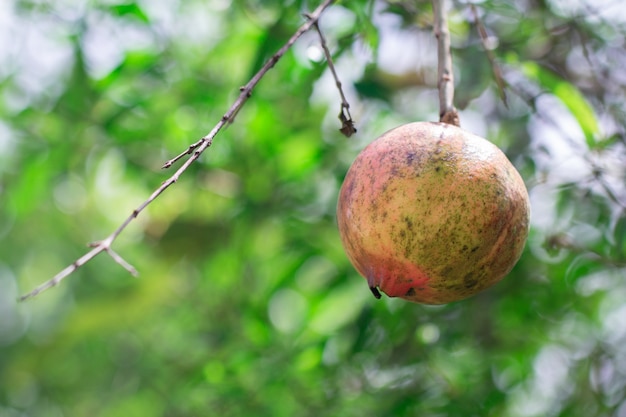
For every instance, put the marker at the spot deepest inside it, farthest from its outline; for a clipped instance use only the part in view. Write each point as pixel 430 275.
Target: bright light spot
pixel 428 333
pixel 102 52
pixel 39 56
pixel 542 394
pixel 286 310
pixel 551 370
pixel 337 22
pixel 613 323
pixel 491 43
pixel 315 53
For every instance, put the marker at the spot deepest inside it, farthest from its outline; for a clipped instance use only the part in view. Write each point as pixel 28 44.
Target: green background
pixel 246 303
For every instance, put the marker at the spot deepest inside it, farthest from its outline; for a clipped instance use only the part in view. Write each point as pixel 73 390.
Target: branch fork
pixel 195 150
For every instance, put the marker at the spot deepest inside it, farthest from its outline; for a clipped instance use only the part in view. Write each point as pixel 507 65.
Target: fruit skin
pixel 432 214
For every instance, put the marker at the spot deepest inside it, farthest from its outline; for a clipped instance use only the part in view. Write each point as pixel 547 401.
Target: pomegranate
pixel 432 214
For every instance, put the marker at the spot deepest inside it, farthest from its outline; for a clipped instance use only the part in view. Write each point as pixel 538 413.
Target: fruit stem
pixel 445 77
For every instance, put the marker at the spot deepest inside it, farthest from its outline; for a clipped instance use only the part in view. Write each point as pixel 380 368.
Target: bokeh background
pixel 246 303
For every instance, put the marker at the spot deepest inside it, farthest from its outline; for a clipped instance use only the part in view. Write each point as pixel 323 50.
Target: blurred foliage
pixel 246 303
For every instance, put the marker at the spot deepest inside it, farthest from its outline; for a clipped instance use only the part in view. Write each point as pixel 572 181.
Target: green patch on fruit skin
pixel 432 214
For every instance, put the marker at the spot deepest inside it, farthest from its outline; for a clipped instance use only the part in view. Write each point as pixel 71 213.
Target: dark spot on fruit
pixel 374 215
pixel 447 271
pixel 469 280
pixel 410 292
pixel 474 249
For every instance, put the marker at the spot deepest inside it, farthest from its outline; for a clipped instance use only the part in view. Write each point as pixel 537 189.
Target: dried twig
pixel 347 124
pixel 495 68
pixel 445 79
pixel 195 150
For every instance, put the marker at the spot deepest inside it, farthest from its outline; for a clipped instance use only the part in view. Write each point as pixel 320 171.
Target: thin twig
pixel 495 68
pixel 180 156
pixel 347 124
pixel 445 79
pixel 195 150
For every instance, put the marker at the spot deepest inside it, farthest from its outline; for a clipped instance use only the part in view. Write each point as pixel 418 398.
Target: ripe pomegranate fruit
pixel 433 214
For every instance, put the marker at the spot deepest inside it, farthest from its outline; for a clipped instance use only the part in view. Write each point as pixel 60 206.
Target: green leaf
pixel 129 9
pixel 367 30
pixel 570 96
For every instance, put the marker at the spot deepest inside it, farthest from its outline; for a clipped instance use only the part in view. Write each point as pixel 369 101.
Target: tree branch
pixel 195 150
pixel 495 68
pixel 347 124
pixel 445 79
